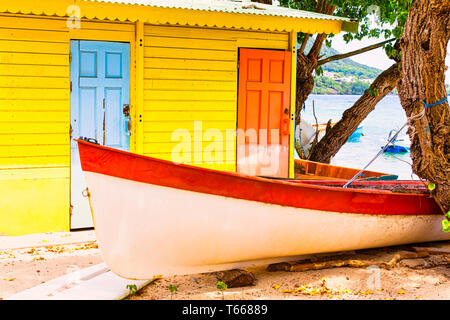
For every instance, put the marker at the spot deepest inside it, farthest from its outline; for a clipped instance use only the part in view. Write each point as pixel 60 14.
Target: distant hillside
pixel 348 67
pixel 343 76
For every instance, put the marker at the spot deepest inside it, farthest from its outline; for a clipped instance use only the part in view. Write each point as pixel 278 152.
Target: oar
pixel 380 152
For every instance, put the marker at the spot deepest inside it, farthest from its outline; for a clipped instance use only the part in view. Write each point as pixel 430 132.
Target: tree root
pixel 236 278
pixel 431 250
pixel 353 263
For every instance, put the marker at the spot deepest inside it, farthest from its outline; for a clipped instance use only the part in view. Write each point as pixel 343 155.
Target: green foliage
pixel 445 225
pixel 346 67
pixel 324 85
pixel 173 288
pixel 377 19
pixel 389 15
pixel 431 186
pixel 342 68
pixel 319 71
pixel 221 286
pixel 132 288
pixel 374 92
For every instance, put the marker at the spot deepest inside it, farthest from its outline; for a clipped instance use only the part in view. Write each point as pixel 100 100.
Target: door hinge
pixel 70 86
pixel 70 57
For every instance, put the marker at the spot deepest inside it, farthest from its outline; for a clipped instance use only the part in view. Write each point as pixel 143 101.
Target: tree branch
pixel 353 53
pixel 338 135
pixel 326 7
pixel 305 41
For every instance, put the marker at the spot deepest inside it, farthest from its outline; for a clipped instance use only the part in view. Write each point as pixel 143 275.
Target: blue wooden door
pixel 100 98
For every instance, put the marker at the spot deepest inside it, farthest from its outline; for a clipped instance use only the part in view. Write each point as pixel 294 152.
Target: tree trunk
pixel 263 1
pixel 306 64
pixel 424 47
pixel 305 82
pixel 338 135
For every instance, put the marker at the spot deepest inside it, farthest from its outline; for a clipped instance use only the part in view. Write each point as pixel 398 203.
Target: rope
pixel 408 123
pixel 434 104
pixel 421 114
pixel 301 144
pixel 380 152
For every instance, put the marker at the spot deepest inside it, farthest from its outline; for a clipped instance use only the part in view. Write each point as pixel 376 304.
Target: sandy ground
pixel 25 264
pixel 425 279
pixel 28 261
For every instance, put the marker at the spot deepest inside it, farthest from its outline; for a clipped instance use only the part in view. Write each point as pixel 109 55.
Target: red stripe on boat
pixel 125 165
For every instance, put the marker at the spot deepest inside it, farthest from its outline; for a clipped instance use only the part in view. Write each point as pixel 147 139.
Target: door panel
pixel 100 75
pixel 263 112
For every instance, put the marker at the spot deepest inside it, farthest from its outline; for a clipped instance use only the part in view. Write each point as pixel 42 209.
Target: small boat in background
pixel 356 135
pixel 393 147
pixel 155 217
pixel 304 169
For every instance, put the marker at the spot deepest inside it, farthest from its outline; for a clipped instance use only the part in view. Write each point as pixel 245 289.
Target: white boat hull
pixel 146 230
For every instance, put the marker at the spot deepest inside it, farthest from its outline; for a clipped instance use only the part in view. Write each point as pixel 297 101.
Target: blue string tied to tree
pixel 436 103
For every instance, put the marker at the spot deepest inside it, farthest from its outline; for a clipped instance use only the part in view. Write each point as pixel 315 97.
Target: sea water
pixel 388 115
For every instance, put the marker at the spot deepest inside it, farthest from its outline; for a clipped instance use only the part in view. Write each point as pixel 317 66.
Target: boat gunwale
pixel 275 181
pixel 114 162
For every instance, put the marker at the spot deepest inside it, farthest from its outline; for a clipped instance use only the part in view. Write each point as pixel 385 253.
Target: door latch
pixel 126 113
pixel 126 110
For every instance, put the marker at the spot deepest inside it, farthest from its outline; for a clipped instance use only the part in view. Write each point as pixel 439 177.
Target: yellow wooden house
pixel 168 79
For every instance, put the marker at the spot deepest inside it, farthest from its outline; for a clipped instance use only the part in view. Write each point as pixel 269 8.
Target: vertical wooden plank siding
pixel 190 92
pixel 293 48
pixel 139 121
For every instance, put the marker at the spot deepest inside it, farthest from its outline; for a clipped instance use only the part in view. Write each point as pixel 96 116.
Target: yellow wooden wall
pixel 35 118
pixel 34 125
pixel 191 76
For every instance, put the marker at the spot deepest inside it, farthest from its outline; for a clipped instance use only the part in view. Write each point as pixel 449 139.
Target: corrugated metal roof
pixel 230 6
pixel 240 14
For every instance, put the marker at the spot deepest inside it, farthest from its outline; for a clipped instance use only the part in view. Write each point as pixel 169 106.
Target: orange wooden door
pixel 264 112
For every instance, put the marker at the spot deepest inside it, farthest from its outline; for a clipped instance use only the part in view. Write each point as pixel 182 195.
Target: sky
pixel 375 58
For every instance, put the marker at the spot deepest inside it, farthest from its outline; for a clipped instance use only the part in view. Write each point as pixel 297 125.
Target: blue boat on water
pixel 396 149
pixel 356 135
pixel 393 148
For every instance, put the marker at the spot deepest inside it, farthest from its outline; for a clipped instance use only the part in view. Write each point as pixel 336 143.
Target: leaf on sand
pixel 38 258
pixel 366 292
pixel 86 246
pixel 32 251
pixel 276 286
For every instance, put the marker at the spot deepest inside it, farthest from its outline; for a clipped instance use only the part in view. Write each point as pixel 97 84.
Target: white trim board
pixel 94 283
